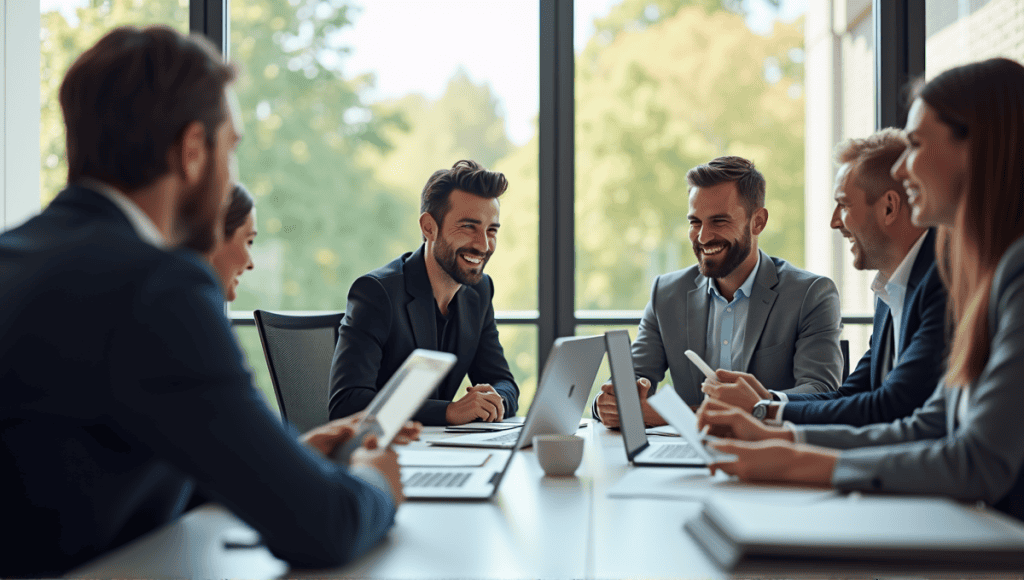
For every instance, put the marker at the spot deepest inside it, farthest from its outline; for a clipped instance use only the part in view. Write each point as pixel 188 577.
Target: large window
pixel 660 88
pixel 349 105
pixel 68 27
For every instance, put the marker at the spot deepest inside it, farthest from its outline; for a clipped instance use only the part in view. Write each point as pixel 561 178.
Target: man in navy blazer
pixel 436 298
pixel 123 388
pixel 908 344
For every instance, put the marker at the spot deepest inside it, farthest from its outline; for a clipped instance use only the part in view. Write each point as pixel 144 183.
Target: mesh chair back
pixel 844 345
pixel 299 351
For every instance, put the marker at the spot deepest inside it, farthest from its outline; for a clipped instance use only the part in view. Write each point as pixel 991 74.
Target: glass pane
pixel 350 106
pixel 660 88
pixel 966 31
pixel 68 27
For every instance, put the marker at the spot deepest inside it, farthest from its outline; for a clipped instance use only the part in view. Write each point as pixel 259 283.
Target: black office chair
pixel 299 351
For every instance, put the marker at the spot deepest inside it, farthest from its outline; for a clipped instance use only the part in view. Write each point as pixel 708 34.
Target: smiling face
pixel 232 258
pixel 933 168
pixel 720 229
pixel 467 237
pixel 858 221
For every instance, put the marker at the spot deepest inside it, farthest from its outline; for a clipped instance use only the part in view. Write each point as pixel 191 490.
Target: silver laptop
pixel 561 396
pixel 457 482
pixel 639 450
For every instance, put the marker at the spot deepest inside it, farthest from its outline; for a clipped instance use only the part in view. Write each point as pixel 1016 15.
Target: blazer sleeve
pixel 982 458
pixel 191 401
pixel 817 358
pixel 905 388
pixel 489 364
pixel 361 338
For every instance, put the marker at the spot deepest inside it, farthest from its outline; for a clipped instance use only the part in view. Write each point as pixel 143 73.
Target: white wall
pixel 19 121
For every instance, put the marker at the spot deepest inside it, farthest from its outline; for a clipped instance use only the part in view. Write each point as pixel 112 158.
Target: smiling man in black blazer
pixel 437 298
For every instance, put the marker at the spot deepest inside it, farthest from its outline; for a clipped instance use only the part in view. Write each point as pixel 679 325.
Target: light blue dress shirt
pixel 727 323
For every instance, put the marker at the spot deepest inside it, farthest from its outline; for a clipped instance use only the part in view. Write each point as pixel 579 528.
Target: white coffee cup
pixel 558 455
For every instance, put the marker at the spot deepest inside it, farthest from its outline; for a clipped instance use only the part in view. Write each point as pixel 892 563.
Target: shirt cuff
pixel 780 396
pixel 373 477
pixel 798 437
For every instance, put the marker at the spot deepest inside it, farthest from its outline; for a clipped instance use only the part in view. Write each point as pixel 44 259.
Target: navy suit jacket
pixel 864 397
pixel 391 312
pixel 123 387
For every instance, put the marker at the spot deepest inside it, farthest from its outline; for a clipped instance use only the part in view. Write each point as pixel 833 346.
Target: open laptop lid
pixel 627 398
pixel 400 398
pixel 564 388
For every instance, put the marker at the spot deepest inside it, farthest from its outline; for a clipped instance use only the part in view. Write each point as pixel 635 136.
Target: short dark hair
pixel 731 169
pixel 871 160
pixel 128 99
pixel 241 205
pixel 465 175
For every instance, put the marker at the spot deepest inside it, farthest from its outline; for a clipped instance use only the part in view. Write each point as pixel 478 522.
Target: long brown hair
pixel 981 102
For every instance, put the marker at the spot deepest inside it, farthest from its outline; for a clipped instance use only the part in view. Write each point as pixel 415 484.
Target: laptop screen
pixel 627 398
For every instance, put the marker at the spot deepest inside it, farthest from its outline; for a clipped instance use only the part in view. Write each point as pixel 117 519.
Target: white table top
pixel 536 527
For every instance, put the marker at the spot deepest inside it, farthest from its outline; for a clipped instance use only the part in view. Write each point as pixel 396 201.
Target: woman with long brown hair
pixel 964 172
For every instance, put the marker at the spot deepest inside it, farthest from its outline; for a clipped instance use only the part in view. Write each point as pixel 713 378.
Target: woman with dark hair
pixel 231 259
pixel 964 173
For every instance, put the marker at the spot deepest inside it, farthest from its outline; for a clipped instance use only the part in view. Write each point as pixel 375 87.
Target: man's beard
pixel 200 220
pixel 448 258
pixel 731 257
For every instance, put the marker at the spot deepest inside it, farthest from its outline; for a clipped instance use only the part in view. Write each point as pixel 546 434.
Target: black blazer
pixel 123 387
pixel 391 312
pixel 865 398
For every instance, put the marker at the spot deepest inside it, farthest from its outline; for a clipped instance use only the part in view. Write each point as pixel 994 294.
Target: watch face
pixel 760 411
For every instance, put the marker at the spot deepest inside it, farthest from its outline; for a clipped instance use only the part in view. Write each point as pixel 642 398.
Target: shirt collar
pixel 901 275
pixel 745 288
pixel 140 222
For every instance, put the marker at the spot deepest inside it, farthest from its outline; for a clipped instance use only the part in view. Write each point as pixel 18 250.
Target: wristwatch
pixel 760 410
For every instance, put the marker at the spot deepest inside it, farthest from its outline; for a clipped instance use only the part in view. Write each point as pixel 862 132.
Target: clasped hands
pixel 327 437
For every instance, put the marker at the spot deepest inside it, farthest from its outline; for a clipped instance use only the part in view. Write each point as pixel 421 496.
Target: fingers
pixel 730 376
pixel 608 389
pixel 370 442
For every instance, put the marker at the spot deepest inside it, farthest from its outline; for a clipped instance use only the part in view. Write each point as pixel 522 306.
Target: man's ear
pixel 428 227
pixel 759 221
pixel 190 155
pixel 892 204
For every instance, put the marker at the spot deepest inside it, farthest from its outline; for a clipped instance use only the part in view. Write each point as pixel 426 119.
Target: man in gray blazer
pixel 738 308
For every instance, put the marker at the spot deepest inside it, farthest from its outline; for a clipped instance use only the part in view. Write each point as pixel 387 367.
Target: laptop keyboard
pixel 674 451
pixel 508 437
pixel 437 479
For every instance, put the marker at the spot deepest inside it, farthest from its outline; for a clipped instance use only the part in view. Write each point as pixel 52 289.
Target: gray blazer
pixel 794 316
pixel 932 451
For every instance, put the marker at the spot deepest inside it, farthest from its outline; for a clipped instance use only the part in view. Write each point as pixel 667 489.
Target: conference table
pixel 535 527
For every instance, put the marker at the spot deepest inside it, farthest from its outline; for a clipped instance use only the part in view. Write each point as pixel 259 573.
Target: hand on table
pixel 777 461
pixel 481 402
pixel 608 410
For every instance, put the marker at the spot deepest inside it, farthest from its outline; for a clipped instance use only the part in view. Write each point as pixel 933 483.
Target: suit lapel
pixel 422 306
pixel 925 259
pixel 762 299
pixel 880 329
pixel 697 316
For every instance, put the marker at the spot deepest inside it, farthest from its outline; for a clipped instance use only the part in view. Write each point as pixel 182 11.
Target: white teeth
pixel 471 260
pixel 711 251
